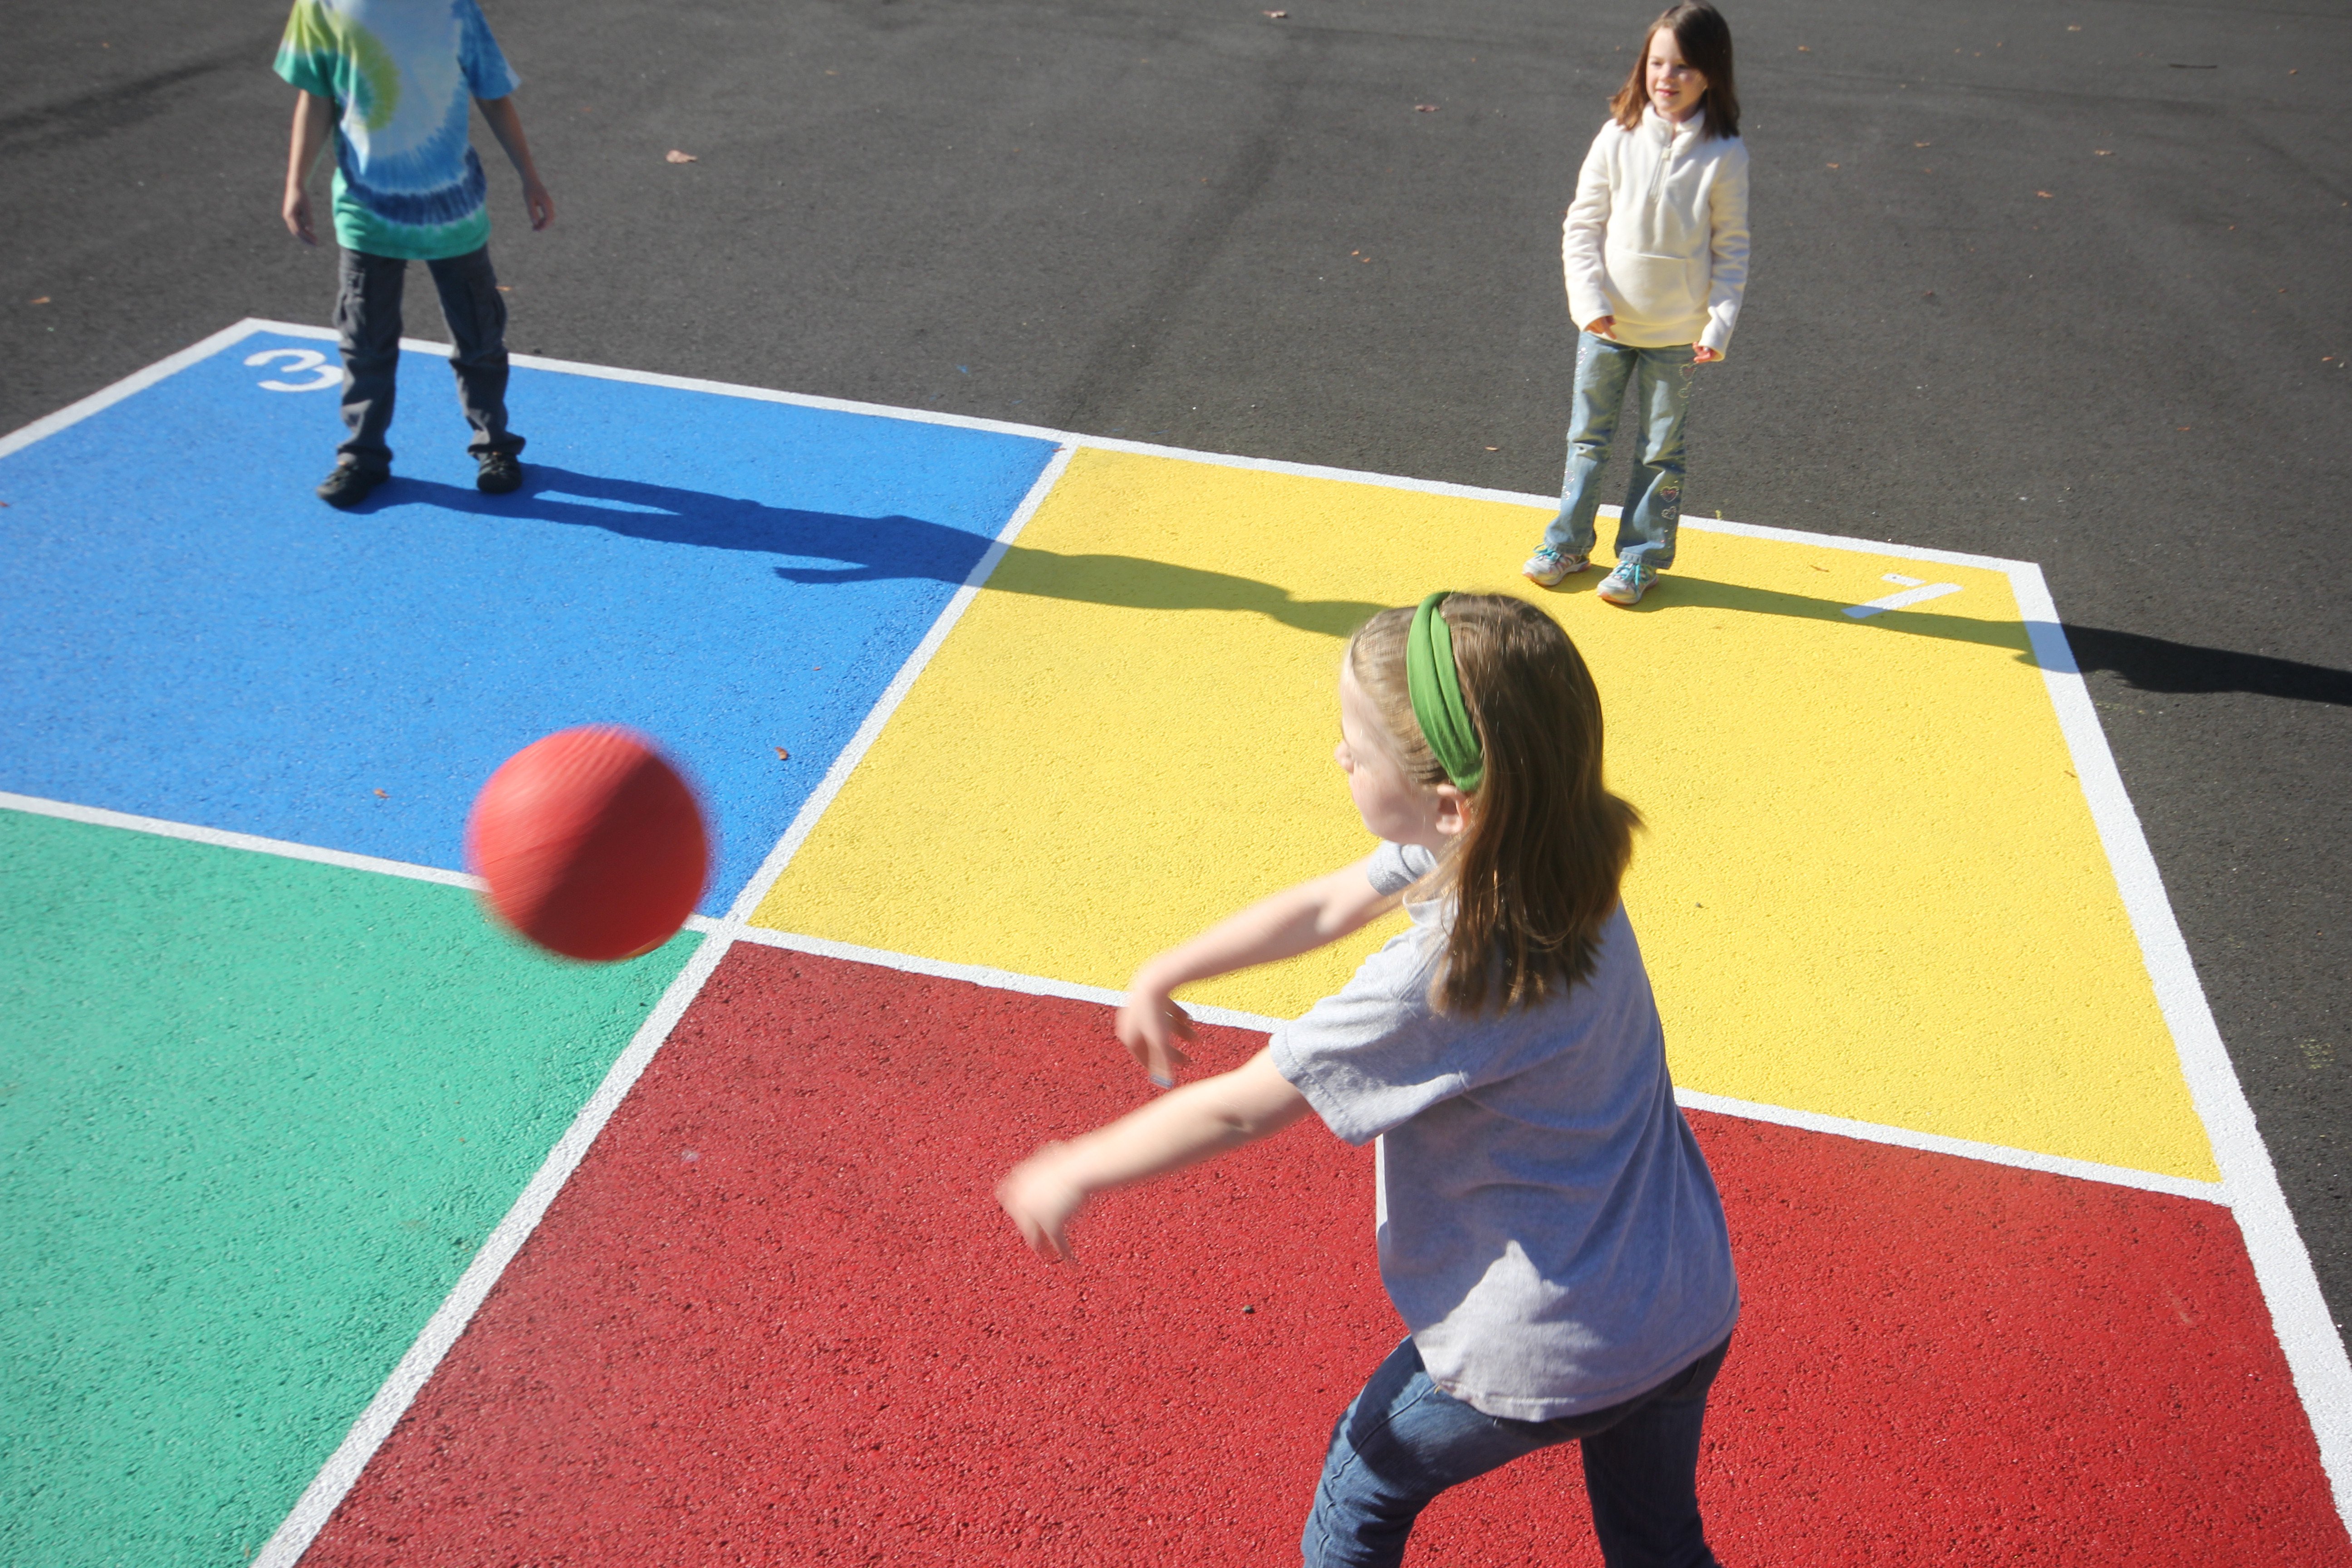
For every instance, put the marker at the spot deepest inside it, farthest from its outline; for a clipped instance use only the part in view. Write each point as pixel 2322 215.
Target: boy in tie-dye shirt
pixel 391 80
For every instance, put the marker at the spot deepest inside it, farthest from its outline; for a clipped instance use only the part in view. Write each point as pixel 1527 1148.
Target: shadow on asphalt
pixel 871 548
pixel 2152 664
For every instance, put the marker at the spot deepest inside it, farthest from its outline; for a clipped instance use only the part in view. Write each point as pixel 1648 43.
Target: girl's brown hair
pixel 1705 39
pixel 1534 875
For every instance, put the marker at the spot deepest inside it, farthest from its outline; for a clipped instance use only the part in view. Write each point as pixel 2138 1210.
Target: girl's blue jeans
pixel 1405 1439
pixel 1661 379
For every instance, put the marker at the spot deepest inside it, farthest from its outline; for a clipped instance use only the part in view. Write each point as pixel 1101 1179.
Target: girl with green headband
pixel 1548 1228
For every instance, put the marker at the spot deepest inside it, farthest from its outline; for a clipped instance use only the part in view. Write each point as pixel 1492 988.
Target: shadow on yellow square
pixel 1870 886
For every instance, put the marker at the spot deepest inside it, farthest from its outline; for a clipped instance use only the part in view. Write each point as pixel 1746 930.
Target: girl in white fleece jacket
pixel 1656 252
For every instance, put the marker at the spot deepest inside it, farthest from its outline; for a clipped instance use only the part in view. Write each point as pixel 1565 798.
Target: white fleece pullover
pixel 1658 234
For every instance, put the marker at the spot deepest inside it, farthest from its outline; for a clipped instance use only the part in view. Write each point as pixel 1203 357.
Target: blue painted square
pixel 188 633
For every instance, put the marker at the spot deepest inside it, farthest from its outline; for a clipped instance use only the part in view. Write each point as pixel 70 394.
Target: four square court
pixel 341 1230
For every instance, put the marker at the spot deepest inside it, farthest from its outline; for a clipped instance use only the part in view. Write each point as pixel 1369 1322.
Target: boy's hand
pixel 540 205
pixel 296 214
pixel 1705 355
pixel 1603 326
pixel 1040 1197
pixel 1149 1024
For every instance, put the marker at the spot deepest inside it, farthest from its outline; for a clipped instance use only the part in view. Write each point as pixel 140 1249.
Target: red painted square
pixel 776 1318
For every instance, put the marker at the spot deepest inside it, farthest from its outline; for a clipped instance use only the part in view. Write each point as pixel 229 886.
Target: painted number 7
pixel 297 360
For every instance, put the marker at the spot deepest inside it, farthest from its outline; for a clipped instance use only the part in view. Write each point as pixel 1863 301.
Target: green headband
pixel 1436 689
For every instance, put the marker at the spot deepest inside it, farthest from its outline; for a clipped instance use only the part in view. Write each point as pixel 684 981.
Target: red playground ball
pixel 589 844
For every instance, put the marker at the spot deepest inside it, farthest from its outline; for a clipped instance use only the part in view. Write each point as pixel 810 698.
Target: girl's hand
pixel 1603 326
pixel 1040 1197
pixel 1149 1024
pixel 1705 355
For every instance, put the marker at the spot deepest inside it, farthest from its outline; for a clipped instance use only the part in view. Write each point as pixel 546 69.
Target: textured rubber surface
pixel 1183 220
pixel 1872 887
pixel 777 1318
pixel 589 843
pixel 256 1116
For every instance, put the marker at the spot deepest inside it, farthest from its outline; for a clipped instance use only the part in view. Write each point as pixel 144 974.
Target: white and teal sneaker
pixel 1627 583
pixel 1547 566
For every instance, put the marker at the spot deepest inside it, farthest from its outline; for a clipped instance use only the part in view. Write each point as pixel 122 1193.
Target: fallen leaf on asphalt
pixel 1923 143
pixel 1278 16
pixel 783 755
pixel 381 796
pixel 1833 165
pixel 42 300
pixel 675 156
pixel 1425 108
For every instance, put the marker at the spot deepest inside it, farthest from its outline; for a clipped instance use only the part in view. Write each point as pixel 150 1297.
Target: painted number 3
pixel 324 375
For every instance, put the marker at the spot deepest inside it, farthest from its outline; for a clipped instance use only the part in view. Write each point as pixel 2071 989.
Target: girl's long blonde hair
pixel 1534 875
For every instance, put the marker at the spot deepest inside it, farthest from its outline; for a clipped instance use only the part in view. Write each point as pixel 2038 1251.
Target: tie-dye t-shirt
pixel 400 74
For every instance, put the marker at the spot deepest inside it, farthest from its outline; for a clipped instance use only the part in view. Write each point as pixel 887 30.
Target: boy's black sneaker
pixel 348 485
pixel 499 474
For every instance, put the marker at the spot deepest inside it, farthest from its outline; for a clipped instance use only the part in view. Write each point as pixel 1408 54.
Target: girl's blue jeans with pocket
pixel 1661 379
pixel 1405 1439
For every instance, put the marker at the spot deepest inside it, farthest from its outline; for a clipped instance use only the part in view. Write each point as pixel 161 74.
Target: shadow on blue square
pixel 190 633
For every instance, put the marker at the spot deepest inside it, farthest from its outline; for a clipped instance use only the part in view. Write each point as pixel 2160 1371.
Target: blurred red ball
pixel 590 844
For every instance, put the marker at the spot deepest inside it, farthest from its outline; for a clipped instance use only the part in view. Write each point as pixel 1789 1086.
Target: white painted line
pixel 137 381
pixel 994 979
pixel 1902 601
pixel 343 1468
pixel 336 1478
pixel 1838 1126
pixel 220 837
pixel 1962 1148
pixel 1031 432
pixel 1150 450
pixel 900 684
pixel 2306 1333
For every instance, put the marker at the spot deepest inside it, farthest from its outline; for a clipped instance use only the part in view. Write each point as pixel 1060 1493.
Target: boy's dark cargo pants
pixel 367 323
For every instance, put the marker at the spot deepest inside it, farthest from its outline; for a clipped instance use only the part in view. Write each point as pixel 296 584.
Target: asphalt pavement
pixel 2060 282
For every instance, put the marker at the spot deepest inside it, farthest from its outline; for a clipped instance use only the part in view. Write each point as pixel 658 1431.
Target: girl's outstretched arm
pixel 1281 925
pixel 1176 1130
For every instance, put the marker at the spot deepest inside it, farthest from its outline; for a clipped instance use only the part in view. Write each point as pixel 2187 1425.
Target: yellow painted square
pixel 1871 886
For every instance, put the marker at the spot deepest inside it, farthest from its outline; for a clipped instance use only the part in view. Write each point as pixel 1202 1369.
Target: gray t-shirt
pixel 1548 1228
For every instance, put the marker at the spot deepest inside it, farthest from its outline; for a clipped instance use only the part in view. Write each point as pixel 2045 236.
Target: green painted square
pixel 256 1116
